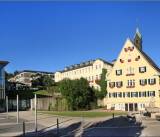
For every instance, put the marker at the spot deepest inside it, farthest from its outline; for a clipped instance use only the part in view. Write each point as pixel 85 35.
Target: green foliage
pixel 8 75
pixel 103 85
pixel 90 114
pixel 42 81
pixel 27 94
pixel 78 93
pixel 43 93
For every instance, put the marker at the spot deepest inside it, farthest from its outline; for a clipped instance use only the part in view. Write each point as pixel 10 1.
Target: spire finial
pixel 138 39
pixel 138 32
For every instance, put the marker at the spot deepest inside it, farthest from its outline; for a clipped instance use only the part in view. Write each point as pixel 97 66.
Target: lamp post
pixel 17 109
pixel 7 106
pixel 35 107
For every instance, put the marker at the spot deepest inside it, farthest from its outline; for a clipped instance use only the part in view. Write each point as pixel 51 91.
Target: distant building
pixel 15 86
pixel 2 84
pixel 26 76
pixel 90 70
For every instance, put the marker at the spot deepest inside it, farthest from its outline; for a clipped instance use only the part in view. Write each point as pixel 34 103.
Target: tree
pixel 16 72
pixel 47 81
pixel 42 81
pixel 103 85
pixel 78 93
pixel 8 75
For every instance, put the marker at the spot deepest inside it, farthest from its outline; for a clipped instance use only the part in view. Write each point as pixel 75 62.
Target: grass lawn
pixel 82 113
pixel 42 92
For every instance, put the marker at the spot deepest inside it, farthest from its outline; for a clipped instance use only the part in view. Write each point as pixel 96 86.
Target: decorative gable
pixel 131 57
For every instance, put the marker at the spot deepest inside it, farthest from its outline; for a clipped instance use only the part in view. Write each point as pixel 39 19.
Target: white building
pixel 90 70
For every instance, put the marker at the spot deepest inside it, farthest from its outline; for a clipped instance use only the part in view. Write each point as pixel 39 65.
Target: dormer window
pixel 142 69
pixel 119 72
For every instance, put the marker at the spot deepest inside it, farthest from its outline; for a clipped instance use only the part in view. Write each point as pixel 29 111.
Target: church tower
pixel 138 39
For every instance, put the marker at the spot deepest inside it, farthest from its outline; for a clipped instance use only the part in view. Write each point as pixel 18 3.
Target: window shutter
pixel 140 81
pixel 154 81
pixel 148 81
pixel 145 81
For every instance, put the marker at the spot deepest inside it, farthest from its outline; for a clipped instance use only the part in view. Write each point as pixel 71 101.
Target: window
pixel 123 94
pixel 89 78
pixel 134 94
pixel 140 94
pixel 92 78
pixel 119 94
pixel 118 72
pixel 96 77
pixel 144 94
pixel 109 95
pixel 112 84
pixel 86 70
pixel 130 71
pixel 100 66
pixel 143 82
pixel 122 61
pixel 128 94
pixel 115 94
pixel 119 84
pixel 152 81
pixel 152 93
pixel 131 84
pixel 142 69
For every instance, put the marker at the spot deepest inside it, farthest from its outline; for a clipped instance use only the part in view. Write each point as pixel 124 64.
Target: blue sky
pixel 48 36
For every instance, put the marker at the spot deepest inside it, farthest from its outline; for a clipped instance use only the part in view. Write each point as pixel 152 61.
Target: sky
pixel 48 36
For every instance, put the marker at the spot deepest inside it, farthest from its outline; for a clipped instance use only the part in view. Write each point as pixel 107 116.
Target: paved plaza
pixel 69 126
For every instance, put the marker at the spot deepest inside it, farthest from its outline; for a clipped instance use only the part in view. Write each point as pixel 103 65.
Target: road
pixel 68 127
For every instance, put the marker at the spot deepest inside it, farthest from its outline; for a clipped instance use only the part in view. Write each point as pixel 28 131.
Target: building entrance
pixel 131 107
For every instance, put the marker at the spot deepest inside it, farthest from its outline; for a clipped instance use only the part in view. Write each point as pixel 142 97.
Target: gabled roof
pixel 150 61
pixel 105 61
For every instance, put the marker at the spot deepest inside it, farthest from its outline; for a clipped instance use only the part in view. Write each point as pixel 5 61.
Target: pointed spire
pixel 138 39
pixel 138 33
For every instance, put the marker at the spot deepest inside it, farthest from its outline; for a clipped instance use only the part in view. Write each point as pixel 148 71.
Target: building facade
pixel 90 70
pixel 26 76
pixel 2 84
pixel 134 82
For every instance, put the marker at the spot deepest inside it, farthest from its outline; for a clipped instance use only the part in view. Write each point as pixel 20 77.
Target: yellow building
pixel 90 70
pixel 134 82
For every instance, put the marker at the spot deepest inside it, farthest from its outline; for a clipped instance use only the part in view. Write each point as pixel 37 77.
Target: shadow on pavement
pixel 115 127
pixel 66 131
pixel 118 126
